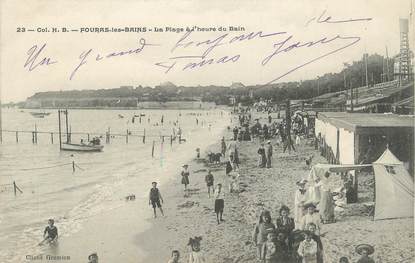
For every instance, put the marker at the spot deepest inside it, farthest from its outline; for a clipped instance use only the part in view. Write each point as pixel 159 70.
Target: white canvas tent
pixel 394 187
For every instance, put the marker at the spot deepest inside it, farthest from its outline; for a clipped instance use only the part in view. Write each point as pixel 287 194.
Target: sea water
pixel 101 180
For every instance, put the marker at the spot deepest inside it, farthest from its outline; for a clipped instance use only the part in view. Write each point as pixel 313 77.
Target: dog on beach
pixel 130 197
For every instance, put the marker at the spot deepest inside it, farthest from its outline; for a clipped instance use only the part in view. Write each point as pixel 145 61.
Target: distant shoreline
pixel 120 108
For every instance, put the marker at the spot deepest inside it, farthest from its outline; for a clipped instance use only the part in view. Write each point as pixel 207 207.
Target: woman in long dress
pixel 299 200
pixel 261 156
pixel 326 207
pixel 313 193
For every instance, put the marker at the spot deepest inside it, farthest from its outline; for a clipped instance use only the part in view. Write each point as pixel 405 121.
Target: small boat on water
pixel 82 147
pixel 120 116
pixel 40 114
pixel 93 146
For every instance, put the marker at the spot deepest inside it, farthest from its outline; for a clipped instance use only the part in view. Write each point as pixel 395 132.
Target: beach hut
pixel 394 187
pixel 361 138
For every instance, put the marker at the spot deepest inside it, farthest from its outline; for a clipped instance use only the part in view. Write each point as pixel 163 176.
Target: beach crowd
pixel 277 236
pixel 285 238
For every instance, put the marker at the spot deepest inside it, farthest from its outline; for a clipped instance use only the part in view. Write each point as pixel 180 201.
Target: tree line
pixel 379 69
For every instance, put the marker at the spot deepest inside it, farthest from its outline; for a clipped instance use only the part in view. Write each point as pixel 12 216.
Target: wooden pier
pixel 88 135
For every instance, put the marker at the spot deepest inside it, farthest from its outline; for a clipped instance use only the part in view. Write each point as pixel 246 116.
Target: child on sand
pixel 282 248
pixel 312 228
pixel 308 249
pixel 223 146
pixel 219 203
pixel 196 256
pixel 285 224
pixel 185 178
pixel 365 250
pixel 310 217
pixel 175 256
pixel 261 230
pixel 233 185
pixel 93 258
pixel 209 179
pixel 269 249
pixel 50 234
pixel 155 198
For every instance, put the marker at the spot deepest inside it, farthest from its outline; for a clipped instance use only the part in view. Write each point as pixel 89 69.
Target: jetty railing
pixel 89 135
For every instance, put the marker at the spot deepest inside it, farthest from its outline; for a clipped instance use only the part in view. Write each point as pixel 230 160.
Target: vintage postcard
pixel 206 131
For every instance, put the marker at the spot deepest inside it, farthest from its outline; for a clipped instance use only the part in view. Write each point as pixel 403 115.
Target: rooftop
pixel 361 121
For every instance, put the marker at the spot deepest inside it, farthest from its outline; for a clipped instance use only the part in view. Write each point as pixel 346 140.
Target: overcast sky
pixel 294 21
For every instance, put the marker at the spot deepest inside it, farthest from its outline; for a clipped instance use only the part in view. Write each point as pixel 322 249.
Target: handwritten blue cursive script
pixel 189 53
pixel 83 57
pixel 33 61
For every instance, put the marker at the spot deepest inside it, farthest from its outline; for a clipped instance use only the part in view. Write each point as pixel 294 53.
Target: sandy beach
pixel 265 189
pixel 117 234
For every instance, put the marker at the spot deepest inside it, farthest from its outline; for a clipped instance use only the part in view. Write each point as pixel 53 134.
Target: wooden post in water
pixel 126 137
pixel 351 96
pixel 171 140
pixel 73 166
pixel 144 136
pixel 17 136
pixel 16 188
pixel 35 133
pixel 60 131
pixel 33 137
pixel 108 136
pixel 70 134
pixel 51 137
pixel 67 126
pixel 152 150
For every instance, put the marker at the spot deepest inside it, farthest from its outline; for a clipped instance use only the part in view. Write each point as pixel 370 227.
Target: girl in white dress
pixel 196 256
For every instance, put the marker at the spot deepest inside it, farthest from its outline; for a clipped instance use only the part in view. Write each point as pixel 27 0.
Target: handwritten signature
pixel 284 46
pixel 188 54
